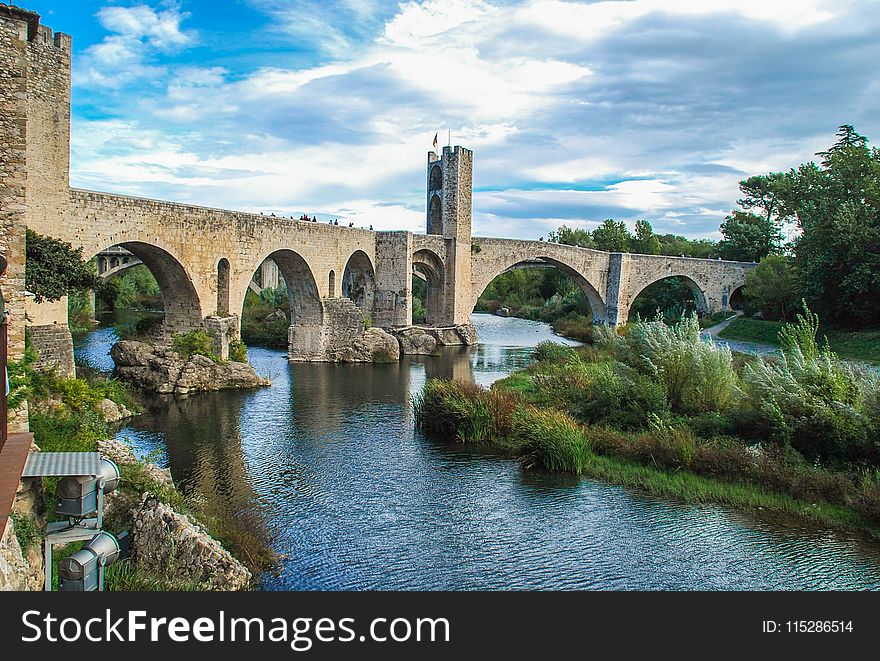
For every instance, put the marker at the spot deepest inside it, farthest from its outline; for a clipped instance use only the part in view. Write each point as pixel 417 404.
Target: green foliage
pixel 266 318
pixel 549 351
pixel 612 236
pixel 572 237
pixel 27 532
pixel 697 375
pixel 368 322
pixel 749 237
pixel 134 288
pixel 54 268
pixel 549 439
pixel 824 408
pixel 20 374
pixel 463 411
pixel 238 351
pixel 79 311
pixel 645 241
pixel 771 287
pixel 195 343
pixel 836 207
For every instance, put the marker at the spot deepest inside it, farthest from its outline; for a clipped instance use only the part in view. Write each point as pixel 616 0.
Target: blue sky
pixel 576 111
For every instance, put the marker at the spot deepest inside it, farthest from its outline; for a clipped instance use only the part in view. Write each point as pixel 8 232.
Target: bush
pixel 549 351
pixel 824 408
pixel 464 412
pixel 550 439
pixel 238 351
pixel 698 375
pixel 195 343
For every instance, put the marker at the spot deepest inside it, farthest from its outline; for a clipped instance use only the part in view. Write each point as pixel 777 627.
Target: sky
pixel 575 111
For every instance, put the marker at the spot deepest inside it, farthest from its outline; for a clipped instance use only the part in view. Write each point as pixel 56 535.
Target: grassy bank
pixel 851 345
pixel 665 412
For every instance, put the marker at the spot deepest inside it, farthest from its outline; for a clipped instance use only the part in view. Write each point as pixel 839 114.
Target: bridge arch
pixel 594 298
pixel 359 280
pixel 700 296
pixel 180 299
pixel 305 339
pixel 428 265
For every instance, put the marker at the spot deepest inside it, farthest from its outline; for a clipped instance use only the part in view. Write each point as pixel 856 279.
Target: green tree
pixel 645 241
pixel 612 236
pixel 771 288
pixel 572 237
pixel 54 268
pixel 749 237
pixel 836 206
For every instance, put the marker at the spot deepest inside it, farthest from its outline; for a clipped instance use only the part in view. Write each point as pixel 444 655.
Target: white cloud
pixel 137 33
pixel 576 111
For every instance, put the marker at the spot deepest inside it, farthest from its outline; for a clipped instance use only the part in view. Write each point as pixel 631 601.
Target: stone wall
pixel 13 178
pixel 173 545
pixel 392 303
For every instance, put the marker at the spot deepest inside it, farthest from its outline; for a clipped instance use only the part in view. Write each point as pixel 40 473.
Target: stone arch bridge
pixel 204 259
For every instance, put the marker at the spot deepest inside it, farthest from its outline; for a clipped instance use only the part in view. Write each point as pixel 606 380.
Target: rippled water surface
pixel 328 463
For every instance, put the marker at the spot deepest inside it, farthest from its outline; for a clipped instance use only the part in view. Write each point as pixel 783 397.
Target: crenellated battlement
pixel 33 31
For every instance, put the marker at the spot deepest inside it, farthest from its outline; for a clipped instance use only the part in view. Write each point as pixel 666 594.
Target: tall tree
pixel 645 241
pixel 612 236
pixel 749 237
pixel 836 206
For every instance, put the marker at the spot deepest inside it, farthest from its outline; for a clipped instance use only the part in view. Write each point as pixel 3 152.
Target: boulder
pixel 415 341
pixel 374 346
pixel 110 411
pixel 165 371
pixel 121 453
pixel 467 333
pixel 447 336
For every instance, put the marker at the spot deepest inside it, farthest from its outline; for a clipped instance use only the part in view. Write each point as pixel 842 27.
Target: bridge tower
pixel 449 192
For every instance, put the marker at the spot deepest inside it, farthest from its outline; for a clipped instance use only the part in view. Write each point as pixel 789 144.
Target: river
pixel 326 462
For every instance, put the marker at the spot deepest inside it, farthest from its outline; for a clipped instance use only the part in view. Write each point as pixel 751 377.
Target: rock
pixel 415 341
pixel 165 371
pixel 467 333
pixel 374 346
pixel 110 411
pixel 121 453
pixel 175 546
pixel 447 336
pixel 20 569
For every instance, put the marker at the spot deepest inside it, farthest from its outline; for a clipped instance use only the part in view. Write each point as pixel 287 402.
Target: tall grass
pixel 550 439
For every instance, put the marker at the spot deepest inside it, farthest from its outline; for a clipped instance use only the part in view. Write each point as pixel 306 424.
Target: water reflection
pixel 329 461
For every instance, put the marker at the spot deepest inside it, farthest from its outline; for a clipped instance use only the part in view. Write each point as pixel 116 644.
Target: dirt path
pixel 737 345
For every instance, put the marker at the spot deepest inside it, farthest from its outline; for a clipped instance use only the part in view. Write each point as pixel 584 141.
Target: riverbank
pixel 659 410
pixel 862 346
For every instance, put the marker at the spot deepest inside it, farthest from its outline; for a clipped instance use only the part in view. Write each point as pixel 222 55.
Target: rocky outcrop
pixel 175 546
pixel 468 334
pixel 18 569
pixel 415 341
pixel 374 346
pixel 110 411
pixel 165 371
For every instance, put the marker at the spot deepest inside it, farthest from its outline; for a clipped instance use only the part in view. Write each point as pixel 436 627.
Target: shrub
pixel 195 343
pixel 238 351
pixel 550 439
pixel 698 375
pixel 549 351
pixel 824 408
pixel 465 412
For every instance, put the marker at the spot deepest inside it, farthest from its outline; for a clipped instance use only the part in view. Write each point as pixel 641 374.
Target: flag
pixel 435 140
